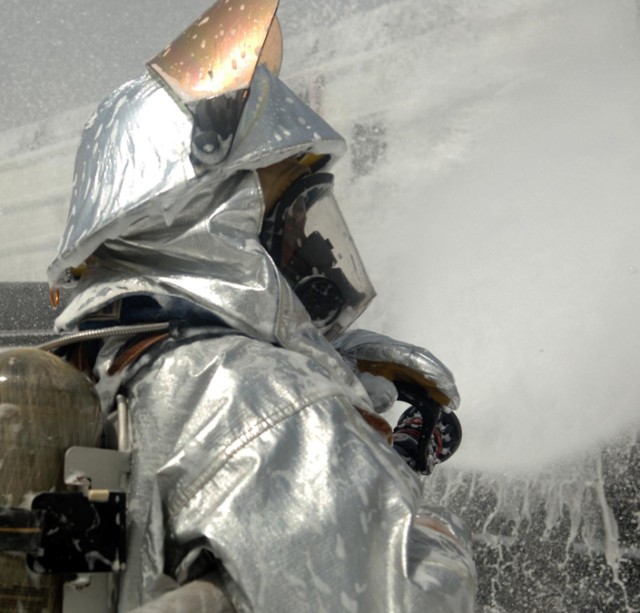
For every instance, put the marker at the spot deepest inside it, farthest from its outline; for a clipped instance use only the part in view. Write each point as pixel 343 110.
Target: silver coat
pixel 247 444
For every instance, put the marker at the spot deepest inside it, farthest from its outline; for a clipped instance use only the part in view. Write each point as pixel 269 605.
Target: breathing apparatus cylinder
pixel 46 406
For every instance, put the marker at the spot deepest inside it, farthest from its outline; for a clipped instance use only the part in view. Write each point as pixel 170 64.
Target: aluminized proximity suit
pixel 250 458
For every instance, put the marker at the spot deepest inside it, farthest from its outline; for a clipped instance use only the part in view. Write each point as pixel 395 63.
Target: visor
pixel 308 238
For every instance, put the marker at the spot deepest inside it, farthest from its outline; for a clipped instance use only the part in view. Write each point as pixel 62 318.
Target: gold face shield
pixel 218 53
pixel 210 66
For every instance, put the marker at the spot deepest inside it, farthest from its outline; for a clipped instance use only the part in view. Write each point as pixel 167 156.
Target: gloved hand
pixel 394 360
pixel 428 432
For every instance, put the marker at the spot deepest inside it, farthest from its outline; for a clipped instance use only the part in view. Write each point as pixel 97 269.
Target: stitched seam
pixel 183 497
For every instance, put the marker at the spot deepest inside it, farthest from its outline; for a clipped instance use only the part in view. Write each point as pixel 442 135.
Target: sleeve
pixel 304 505
pixel 377 354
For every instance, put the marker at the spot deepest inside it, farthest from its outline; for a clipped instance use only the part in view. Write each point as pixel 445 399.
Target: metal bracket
pixel 80 534
pixel 91 467
pixel 95 592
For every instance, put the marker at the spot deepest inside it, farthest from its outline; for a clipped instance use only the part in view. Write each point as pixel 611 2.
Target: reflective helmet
pixel 210 67
pixel 211 105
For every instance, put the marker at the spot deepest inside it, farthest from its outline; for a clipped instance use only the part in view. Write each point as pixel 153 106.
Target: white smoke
pixel 494 198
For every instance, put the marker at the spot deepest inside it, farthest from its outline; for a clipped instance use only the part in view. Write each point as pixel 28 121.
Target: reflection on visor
pixel 309 241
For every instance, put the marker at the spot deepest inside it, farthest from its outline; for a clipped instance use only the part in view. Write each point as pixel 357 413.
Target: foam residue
pixel 551 539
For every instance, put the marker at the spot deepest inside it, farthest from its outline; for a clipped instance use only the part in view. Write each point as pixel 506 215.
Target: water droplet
pixel 633 270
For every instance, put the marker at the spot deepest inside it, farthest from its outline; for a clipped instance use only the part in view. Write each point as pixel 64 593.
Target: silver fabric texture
pixel 255 453
pixel 199 596
pixel 365 345
pixel 246 440
pixel 133 161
